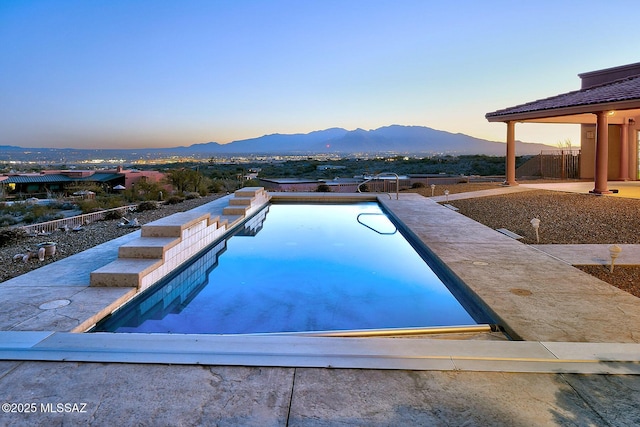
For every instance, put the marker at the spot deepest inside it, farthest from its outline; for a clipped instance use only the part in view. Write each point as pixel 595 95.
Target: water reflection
pixel 306 268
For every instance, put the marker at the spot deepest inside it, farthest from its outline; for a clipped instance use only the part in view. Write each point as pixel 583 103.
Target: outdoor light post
pixel 535 223
pixel 433 189
pixel 614 251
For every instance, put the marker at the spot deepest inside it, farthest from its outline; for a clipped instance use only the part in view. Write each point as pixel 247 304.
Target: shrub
pixel 89 205
pixel 112 215
pixel 190 196
pixel 323 188
pixel 15 209
pixel 39 213
pixel 418 185
pixel 147 206
pixel 62 205
pixel 174 200
pixel 11 235
pixel 6 220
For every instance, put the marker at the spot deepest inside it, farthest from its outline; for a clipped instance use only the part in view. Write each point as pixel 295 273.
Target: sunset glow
pixel 148 73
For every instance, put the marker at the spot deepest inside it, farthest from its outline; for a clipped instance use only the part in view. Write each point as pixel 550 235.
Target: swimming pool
pixel 300 267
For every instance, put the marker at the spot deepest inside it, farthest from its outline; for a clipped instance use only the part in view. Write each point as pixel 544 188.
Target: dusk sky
pixel 155 73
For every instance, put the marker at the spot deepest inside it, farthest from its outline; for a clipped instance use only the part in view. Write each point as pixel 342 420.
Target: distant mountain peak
pixel 392 138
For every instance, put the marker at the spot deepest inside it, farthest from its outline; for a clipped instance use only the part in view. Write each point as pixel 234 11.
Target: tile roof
pixel 23 179
pixel 626 89
pixel 102 177
pixel 47 178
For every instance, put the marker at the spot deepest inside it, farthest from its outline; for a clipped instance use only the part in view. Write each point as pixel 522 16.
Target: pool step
pixel 124 272
pixel 174 225
pixel 241 201
pixel 245 201
pixel 147 247
pixel 169 242
pixel 251 192
pixel 236 210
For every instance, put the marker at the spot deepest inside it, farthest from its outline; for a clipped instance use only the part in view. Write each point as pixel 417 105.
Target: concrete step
pixel 236 210
pixel 249 192
pixel 124 272
pixel 173 225
pixel 241 201
pixel 147 247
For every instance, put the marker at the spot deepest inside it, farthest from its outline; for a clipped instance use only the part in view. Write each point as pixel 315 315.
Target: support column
pixel 624 151
pixel 511 154
pixel 602 153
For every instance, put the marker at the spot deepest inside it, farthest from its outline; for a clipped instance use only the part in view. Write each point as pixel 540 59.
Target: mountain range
pixel 395 138
pixel 390 139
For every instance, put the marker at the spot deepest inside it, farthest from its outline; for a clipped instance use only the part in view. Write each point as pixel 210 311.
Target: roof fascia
pixel 565 111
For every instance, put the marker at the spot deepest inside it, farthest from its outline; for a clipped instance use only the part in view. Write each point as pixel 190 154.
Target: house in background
pixel 65 182
pixel 607 106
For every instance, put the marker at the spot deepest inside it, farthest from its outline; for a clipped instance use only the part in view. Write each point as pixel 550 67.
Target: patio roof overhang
pixel 612 102
pixel 620 97
pixel 583 115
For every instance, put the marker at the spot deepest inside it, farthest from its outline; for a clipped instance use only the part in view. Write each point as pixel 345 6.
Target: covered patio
pixel 606 106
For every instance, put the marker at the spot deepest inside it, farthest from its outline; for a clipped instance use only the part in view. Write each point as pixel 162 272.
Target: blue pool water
pixel 305 268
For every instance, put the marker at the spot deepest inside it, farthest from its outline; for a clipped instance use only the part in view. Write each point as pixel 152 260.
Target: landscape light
pixel 535 223
pixel 614 251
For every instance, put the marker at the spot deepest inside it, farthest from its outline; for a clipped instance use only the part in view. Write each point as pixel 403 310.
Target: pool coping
pixel 320 352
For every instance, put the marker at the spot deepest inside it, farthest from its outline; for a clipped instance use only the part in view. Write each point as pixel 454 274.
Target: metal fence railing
pixel 562 164
pixel 75 221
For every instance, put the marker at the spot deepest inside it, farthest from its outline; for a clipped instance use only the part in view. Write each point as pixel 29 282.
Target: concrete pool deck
pixel 573 324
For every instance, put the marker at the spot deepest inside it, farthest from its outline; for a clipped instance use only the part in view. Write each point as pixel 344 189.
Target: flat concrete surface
pixel 498 190
pixel 106 394
pixel 568 318
pixel 626 189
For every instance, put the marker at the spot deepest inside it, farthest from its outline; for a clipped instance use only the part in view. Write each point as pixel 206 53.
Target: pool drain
pixel 54 304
